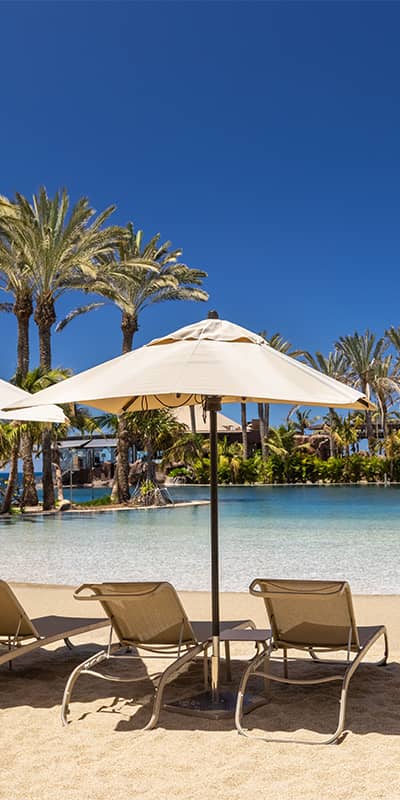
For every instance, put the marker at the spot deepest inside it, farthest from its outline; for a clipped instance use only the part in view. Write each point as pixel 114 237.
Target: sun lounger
pixel 20 635
pixel 316 617
pixel 148 617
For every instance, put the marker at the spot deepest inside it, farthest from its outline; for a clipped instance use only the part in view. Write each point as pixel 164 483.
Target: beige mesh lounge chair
pixel 20 635
pixel 314 616
pixel 148 617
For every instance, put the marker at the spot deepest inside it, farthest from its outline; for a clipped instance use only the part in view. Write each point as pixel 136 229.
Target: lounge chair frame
pixel 359 641
pixel 19 634
pixel 189 640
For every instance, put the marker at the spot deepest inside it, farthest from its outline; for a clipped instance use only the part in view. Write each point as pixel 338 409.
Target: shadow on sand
pixel 38 681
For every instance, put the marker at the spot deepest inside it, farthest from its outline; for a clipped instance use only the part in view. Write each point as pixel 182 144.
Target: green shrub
pixel 99 501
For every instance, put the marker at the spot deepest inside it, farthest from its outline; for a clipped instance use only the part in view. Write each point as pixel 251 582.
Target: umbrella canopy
pixel 12 394
pixel 209 358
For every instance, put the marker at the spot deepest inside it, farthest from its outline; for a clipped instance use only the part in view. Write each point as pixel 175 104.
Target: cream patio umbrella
pixel 13 394
pixel 210 362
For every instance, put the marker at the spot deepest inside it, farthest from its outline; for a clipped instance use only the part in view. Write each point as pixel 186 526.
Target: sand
pixel 103 755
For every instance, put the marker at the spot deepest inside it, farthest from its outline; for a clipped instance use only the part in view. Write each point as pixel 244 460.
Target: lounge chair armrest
pixel 256 590
pixel 78 593
pixel 82 588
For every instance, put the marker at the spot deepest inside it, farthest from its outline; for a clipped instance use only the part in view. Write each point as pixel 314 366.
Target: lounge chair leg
pixel 9 645
pixel 383 661
pixel 335 737
pixel 171 672
pixel 267 682
pixel 228 668
pixel 205 668
pixel 252 666
pixel 285 663
pixel 68 643
pixel 84 667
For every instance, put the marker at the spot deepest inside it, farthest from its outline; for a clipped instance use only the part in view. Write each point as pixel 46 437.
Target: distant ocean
pixel 343 532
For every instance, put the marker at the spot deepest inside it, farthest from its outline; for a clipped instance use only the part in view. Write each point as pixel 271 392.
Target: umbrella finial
pixel 213 315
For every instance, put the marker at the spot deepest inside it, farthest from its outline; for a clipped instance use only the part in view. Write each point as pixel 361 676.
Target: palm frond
pixel 77 312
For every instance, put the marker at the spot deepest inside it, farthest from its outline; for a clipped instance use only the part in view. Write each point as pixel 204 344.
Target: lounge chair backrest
pixel 14 621
pixel 142 613
pixel 309 613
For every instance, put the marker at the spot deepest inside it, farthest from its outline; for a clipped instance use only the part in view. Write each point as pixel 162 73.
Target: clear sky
pixel 263 138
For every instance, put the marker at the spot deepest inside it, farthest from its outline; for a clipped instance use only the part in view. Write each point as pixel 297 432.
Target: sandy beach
pixel 102 754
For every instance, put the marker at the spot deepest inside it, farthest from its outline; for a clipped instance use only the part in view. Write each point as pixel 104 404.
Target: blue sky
pixel 263 138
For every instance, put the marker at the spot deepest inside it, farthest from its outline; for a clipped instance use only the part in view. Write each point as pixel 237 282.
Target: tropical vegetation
pixel 50 247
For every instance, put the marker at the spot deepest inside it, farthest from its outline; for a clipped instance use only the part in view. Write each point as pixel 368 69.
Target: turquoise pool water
pixel 350 532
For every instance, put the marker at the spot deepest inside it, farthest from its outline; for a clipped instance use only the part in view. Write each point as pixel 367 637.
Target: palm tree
pixel 362 354
pixel 140 276
pixel 334 365
pixel 386 386
pixel 302 420
pixel 346 432
pixel 393 336
pixel 59 248
pixel 14 279
pixel 154 431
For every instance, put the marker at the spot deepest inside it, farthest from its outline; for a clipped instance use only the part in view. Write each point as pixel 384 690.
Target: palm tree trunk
pixel 266 425
pixel 192 419
pixel 262 430
pixel 114 487
pixel 244 430
pixel 29 493
pixel 47 472
pixel 129 326
pixel 12 477
pixel 122 465
pixel 120 488
pixel 23 309
pixel 331 442
pixel 23 313
pixel 385 423
pixel 45 317
pixel 369 431
pixel 58 473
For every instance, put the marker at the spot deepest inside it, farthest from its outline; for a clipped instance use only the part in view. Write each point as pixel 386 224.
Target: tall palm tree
pixel 141 275
pixel 362 353
pixel 59 248
pixel 14 280
pixel 334 365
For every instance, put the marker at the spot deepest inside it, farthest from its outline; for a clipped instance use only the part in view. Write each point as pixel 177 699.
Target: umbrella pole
pixel 214 405
pixel 217 703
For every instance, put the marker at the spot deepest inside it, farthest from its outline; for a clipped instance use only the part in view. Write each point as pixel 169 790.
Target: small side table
pixel 255 635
